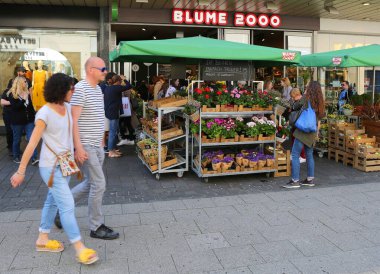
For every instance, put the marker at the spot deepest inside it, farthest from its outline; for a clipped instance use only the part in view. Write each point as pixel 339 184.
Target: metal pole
pixel 199 74
pixel 373 86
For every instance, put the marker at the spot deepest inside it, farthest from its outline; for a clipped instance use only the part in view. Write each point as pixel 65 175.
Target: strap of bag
pixel 51 178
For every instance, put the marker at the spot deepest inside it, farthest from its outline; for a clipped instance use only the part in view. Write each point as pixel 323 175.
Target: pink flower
pixel 237 95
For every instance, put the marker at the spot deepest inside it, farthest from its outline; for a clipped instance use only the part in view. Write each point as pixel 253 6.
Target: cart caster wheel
pixel 180 174
pixel 205 180
pixel 320 154
pixel 157 177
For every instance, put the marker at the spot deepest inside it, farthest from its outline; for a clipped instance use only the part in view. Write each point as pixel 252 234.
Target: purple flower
pixel 228 159
pixel 215 161
pixel 239 155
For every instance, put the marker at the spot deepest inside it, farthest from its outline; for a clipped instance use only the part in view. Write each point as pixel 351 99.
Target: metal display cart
pixel 197 146
pixel 181 154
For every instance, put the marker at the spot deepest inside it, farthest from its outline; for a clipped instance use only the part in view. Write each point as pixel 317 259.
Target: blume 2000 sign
pixel 220 18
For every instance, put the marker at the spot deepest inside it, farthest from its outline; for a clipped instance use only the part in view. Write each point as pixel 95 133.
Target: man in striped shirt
pixel 88 129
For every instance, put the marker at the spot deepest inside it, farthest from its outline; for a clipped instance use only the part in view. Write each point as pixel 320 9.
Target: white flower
pixel 255 119
pixel 251 124
pixel 271 123
pixel 261 121
pixel 240 119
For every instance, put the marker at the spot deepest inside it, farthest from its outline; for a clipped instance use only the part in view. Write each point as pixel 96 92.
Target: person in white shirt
pixel 174 86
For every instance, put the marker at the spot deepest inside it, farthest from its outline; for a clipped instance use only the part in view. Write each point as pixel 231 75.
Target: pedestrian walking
pixel 7 120
pixel 54 126
pixel 305 140
pixel 88 128
pixel 22 116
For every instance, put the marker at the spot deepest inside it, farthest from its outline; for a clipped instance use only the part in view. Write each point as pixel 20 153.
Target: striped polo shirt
pixel 91 120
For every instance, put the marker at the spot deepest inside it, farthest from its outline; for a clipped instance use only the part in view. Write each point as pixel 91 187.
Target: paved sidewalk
pixel 128 181
pixel 316 230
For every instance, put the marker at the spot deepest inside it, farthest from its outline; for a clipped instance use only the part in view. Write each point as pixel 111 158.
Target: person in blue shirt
pixel 343 96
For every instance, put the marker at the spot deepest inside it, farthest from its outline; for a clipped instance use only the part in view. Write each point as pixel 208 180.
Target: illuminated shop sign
pixel 221 18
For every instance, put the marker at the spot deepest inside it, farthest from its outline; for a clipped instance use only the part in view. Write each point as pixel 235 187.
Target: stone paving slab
pixel 209 244
pixel 239 225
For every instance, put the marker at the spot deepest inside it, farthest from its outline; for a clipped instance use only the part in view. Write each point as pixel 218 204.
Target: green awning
pixel 366 56
pixel 196 48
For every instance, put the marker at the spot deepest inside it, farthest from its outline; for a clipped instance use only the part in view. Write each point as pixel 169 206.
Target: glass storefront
pixel 50 50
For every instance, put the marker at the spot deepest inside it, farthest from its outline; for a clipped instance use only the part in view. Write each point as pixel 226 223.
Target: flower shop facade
pixel 272 30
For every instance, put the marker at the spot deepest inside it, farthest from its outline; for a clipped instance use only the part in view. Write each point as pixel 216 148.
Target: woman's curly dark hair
pixel 315 96
pixel 57 87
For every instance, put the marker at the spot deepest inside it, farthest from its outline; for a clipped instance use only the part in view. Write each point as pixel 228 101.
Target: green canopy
pixel 196 48
pixel 366 56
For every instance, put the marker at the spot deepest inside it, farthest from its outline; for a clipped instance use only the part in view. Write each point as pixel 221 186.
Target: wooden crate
pixel 234 168
pixel 340 142
pixel 169 133
pixel 242 138
pixel 207 109
pixel 372 152
pixel 353 145
pixel 331 155
pixel 242 108
pixel 349 159
pixel 366 165
pixel 229 140
pixel 282 164
pixel 170 102
pixel 228 108
pixel 170 160
pixel 206 140
pixel 266 138
pixel 339 156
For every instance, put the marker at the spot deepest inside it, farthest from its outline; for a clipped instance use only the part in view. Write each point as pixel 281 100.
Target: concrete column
pixel 104 34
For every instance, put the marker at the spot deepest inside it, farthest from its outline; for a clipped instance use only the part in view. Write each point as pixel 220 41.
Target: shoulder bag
pixel 307 121
pixel 65 161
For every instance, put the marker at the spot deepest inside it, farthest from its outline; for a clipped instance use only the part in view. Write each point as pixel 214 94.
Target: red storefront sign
pixel 220 18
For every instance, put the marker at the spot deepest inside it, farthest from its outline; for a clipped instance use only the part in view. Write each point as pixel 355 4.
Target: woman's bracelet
pixel 19 173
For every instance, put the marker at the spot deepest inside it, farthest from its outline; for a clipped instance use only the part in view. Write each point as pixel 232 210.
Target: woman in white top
pixel 53 123
pixel 174 86
pixel 286 88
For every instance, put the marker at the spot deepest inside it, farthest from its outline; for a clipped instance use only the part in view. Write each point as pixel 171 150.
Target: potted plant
pixel 228 132
pixel 239 159
pixel 347 109
pixel 252 131
pixel 270 160
pixel 253 160
pixel 191 109
pixel 216 163
pixel 227 162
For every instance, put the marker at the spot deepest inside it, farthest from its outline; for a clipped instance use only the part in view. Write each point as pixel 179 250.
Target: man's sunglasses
pixel 103 69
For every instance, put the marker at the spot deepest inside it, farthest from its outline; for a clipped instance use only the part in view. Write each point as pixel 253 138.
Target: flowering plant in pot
pixel 347 109
pixel 228 128
pixel 239 158
pixel 253 160
pixel 262 160
pixel 205 96
pixel 227 162
pixel 216 163
pixel 266 127
pixel 212 128
pixel 252 129
pixel 223 97
pixel 270 160
pixel 239 96
pixel 240 125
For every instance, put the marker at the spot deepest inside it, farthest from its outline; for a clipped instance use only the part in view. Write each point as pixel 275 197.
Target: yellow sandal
pixel 51 246
pixel 87 256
